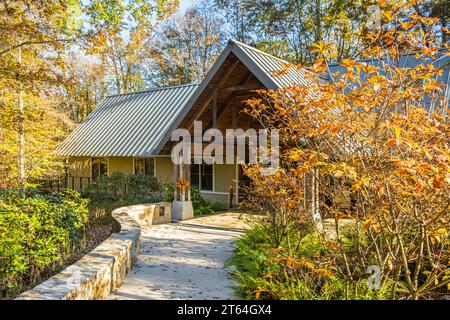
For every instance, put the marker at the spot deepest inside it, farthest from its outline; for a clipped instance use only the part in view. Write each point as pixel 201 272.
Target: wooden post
pixel 175 178
pixel 188 178
pixel 234 116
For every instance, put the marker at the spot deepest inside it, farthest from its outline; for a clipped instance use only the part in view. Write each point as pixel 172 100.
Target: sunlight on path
pixel 185 260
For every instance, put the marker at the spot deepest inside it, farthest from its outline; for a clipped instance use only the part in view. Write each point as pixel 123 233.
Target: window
pixel 202 176
pixel 99 167
pixel 144 166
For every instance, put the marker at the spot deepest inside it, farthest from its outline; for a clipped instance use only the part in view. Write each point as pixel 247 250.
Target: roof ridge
pixel 260 51
pixel 153 89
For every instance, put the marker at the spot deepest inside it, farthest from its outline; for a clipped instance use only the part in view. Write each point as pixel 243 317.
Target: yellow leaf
pixel 324 272
pixel 356 186
pixel 441 231
pixel 312 159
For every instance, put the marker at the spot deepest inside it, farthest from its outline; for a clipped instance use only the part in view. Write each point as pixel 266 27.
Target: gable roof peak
pixel 241 44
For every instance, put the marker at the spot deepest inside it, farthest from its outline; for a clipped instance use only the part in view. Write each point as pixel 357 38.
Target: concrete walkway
pixel 185 260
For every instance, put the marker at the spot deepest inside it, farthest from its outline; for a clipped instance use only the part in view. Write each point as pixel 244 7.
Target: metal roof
pixel 410 60
pixel 139 124
pixel 280 73
pixel 130 124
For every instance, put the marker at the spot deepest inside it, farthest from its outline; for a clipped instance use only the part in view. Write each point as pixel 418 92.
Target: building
pixel 130 133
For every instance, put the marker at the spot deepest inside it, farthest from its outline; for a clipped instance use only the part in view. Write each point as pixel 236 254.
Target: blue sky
pixel 184 4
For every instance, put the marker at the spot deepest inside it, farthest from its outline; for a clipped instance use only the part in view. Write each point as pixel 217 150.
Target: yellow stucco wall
pixel 224 175
pixel 164 169
pixel 121 164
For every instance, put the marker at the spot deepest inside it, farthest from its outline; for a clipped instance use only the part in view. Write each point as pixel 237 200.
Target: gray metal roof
pixel 130 124
pixel 280 73
pixel 441 61
pixel 139 124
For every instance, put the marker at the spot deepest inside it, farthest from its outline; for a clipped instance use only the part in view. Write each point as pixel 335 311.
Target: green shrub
pixel 266 271
pixel 37 231
pixel 141 184
pixel 201 205
pixel 118 185
pixel 107 193
pixel 168 191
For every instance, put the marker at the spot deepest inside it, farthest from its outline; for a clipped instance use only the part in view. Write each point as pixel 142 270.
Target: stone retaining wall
pixel 102 270
pixel 151 213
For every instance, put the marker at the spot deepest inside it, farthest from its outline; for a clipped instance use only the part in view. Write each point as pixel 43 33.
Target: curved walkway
pixel 185 260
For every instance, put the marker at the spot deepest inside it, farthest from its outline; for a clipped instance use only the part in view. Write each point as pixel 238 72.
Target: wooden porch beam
pixel 232 101
pixel 247 86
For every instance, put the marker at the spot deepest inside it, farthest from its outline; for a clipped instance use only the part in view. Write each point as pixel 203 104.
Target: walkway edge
pixel 99 272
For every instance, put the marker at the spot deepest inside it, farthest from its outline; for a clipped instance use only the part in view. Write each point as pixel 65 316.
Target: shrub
pixel 119 185
pixel 37 231
pixel 267 271
pixel 201 205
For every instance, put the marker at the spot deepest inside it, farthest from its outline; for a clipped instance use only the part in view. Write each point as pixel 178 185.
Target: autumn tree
pixel 288 28
pixel 377 135
pixel 122 45
pixel 84 84
pixel 33 35
pixel 58 59
pixel 186 46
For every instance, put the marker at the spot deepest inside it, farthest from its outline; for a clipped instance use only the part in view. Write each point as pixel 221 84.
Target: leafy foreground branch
pixel 373 145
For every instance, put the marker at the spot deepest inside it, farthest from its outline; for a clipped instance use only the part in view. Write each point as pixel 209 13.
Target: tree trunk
pixel 21 165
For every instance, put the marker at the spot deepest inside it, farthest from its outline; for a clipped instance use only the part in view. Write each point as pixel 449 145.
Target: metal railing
pixel 64 183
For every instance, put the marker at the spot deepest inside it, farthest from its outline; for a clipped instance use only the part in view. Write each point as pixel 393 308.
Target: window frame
pixel 153 164
pixel 94 162
pixel 201 175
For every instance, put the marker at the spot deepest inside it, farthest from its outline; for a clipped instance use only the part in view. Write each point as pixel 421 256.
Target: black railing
pixel 65 183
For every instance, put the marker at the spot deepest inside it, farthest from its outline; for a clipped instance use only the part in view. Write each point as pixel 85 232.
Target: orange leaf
pixel 312 159
pixel 391 142
pixel 438 181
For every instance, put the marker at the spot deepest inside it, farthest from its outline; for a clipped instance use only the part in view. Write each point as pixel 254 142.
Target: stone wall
pixel 102 270
pixel 151 213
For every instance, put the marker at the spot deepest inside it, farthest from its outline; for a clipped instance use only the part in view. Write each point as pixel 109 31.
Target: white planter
pixel 182 210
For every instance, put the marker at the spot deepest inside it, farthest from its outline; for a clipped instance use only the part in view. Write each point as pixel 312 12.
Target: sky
pixel 184 4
